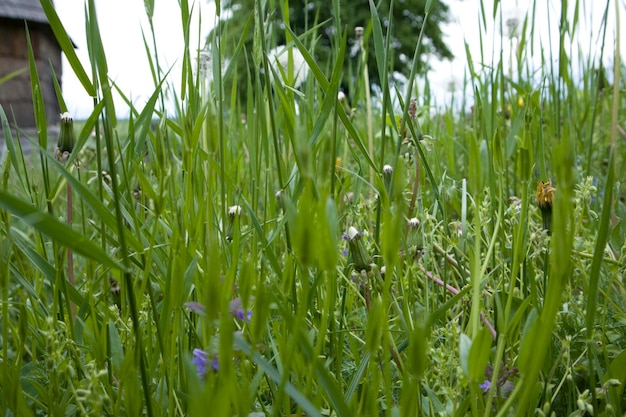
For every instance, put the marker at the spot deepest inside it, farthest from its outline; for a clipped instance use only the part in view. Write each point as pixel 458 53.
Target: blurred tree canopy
pixel 408 19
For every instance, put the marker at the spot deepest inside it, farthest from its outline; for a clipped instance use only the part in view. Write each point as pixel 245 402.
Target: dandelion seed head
pixel 413 223
pixel 353 233
pixel 234 210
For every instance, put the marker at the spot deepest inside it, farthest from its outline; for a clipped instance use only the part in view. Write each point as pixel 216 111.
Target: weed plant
pixel 304 252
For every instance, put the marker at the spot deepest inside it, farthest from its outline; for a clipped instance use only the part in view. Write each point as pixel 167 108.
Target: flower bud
pixel 66 133
pixel 233 215
pixel 544 197
pixel 66 141
pixel 360 257
pixel 387 176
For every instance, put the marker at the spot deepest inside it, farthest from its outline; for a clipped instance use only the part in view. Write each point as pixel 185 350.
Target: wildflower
pixel 233 213
pixel 544 197
pixel 520 102
pixel 360 257
pixel 387 174
pixel 66 141
pixel 485 386
pixel 201 361
pixel 504 385
pixel 280 56
pixel 236 310
pixel 195 307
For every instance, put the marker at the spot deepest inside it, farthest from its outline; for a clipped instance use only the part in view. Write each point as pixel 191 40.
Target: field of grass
pixel 323 255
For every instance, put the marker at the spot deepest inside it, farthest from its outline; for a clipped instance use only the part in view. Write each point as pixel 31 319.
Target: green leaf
pixel 598 252
pixel 307 406
pixel 67 47
pixel 479 354
pixel 325 85
pixel 417 349
pixel 38 103
pixel 115 348
pixel 48 225
pixel 465 345
pixel 377 33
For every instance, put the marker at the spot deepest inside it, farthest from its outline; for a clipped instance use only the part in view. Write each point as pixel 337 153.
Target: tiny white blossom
pixel 353 233
pixel 413 222
pixel 66 117
pixel 234 211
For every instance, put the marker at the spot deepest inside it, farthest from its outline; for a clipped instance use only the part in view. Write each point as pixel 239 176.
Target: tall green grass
pixel 199 230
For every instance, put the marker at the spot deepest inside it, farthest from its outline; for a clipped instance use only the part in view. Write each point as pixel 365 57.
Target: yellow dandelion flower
pixel 338 165
pixel 544 196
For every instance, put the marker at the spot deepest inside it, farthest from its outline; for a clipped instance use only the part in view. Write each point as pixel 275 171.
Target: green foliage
pixel 317 258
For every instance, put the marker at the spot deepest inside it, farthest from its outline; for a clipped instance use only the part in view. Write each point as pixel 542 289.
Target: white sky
pixel 122 22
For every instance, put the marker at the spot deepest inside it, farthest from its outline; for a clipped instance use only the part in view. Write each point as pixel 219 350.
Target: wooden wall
pixel 15 94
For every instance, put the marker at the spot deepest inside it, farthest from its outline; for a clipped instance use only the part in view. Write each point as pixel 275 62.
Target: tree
pixel 408 19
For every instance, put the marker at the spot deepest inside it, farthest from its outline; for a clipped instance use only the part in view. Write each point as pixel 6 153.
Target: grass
pixel 304 269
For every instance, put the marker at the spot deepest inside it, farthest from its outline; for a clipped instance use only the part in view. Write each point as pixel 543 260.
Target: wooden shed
pixel 15 93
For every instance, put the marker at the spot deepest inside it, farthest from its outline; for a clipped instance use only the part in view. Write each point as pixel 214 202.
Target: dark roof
pixel 29 10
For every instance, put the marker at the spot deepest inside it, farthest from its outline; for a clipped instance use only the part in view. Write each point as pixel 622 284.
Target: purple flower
pixel 345 236
pixel 201 360
pixel 485 386
pixel 195 307
pixel 345 252
pixel 236 310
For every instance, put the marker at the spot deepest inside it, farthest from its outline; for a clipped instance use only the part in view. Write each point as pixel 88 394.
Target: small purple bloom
pixel 485 386
pixel 201 360
pixel 202 363
pixel 195 307
pixel 236 310
pixel 345 236
pixel 345 252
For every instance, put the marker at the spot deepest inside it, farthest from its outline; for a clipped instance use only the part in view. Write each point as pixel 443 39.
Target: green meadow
pixel 300 251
